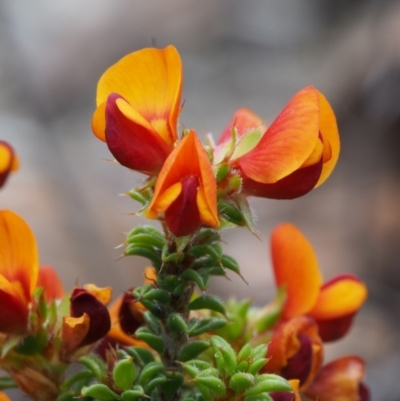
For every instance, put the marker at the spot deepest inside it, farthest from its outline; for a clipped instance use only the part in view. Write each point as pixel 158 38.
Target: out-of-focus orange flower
pixel 50 282
pixel 295 350
pixel 333 304
pixel 295 154
pixel 89 320
pixel 186 189
pixel 340 380
pixel 138 103
pixel 4 397
pixel 8 161
pixel 19 269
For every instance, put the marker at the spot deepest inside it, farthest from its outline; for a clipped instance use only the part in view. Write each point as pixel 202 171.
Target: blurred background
pixel 256 54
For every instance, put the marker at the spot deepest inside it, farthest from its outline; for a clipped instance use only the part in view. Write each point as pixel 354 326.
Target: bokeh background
pixel 254 53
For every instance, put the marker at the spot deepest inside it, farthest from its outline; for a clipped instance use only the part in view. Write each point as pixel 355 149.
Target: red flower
pixel 138 103
pixel 286 160
pixel 333 304
pixel 186 189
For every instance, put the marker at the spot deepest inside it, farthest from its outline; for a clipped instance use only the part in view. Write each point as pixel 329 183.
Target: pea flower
pixel 296 153
pixel 186 189
pixel 332 304
pixel 138 103
pixel 340 380
pixel 19 269
pixel 8 161
pixel 295 351
pixel 89 318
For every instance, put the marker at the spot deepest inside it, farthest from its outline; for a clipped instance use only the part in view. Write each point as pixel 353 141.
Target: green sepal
pixel 95 365
pixel 214 384
pixel 176 323
pixel 124 374
pixel 207 236
pixel 99 392
pixel 200 326
pixel 244 207
pixel 154 341
pixel 173 384
pixel 224 354
pixel 174 257
pixel 32 345
pixel 193 349
pixel 268 382
pixel 150 254
pixel 256 365
pixel 208 302
pixel 137 196
pixel 149 371
pixel 241 381
pixel 231 213
pixel 222 171
pixel 140 355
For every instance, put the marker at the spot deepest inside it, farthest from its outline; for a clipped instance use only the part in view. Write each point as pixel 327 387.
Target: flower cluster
pixel 169 340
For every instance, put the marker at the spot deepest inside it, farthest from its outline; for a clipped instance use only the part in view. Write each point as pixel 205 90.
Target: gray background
pixel 254 53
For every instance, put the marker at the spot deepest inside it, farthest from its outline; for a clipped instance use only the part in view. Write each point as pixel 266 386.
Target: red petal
pixel 333 329
pixel 48 279
pixel 133 142
pixel 293 186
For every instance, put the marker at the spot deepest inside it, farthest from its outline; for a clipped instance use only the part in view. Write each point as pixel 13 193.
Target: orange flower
pixel 333 304
pixel 89 320
pixel 295 350
pixel 340 380
pixel 294 155
pixel 8 161
pixel 186 189
pixel 4 397
pixel 19 271
pixel 138 103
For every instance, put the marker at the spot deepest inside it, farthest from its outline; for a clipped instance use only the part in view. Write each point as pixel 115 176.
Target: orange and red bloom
pixel 332 304
pixel 8 161
pixel 186 189
pixel 138 103
pixel 295 154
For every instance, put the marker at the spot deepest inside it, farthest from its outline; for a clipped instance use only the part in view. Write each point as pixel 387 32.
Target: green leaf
pixel 241 381
pixel 192 275
pixel 124 374
pixel 217 386
pixel 7 382
pixel 230 213
pixel 100 392
pixel 149 371
pixel 267 383
pixel 224 354
pixel 193 349
pixel 81 375
pixel 176 323
pixel 95 365
pixel 154 341
pixel 140 355
pixel 173 384
pixel 208 302
pixel 152 384
pixel 148 253
pixel 256 365
pixel 197 327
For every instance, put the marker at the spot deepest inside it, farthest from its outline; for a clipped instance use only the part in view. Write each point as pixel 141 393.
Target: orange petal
pixel 48 279
pixel 102 294
pixel 295 267
pixel 340 380
pixel 8 161
pixel 74 331
pixel 330 134
pixel 342 296
pixel 287 143
pixel 151 82
pixel 189 158
pixel 18 253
